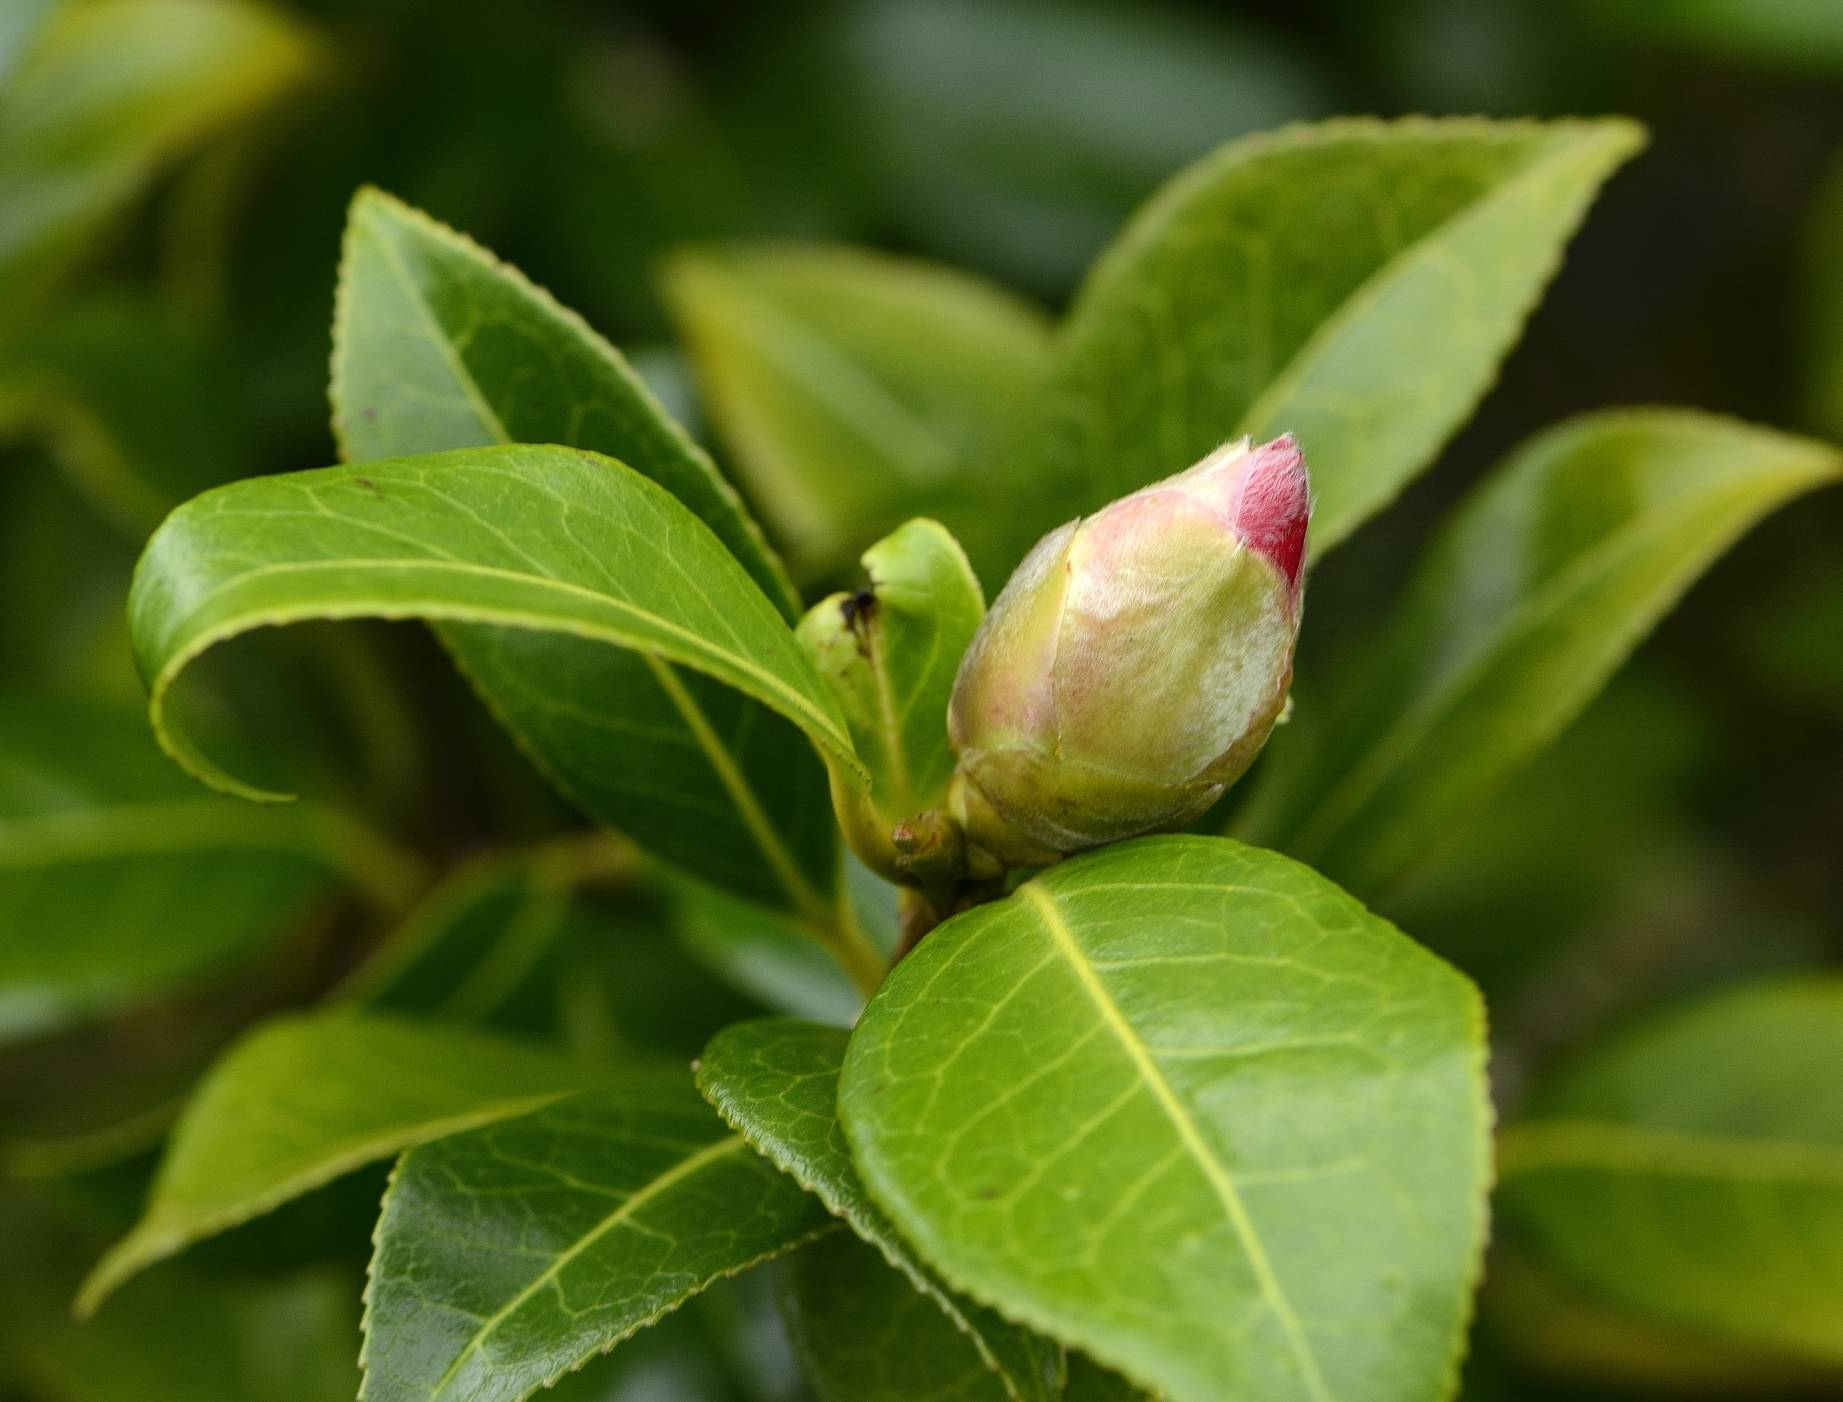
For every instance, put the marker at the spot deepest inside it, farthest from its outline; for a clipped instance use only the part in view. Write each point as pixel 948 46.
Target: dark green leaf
pixel 674 1360
pixel 1692 1171
pixel 776 1082
pixel 1186 1106
pixel 105 96
pixel 1535 593
pixel 864 1333
pixel 1354 283
pixel 511 1255
pixel 1090 1382
pixel 307 1098
pixel 439 346
pixel 539 540
pixel 119 879
pixel 890 653
pixel 856 389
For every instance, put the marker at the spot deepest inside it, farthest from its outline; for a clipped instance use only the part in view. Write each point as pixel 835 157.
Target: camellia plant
pixel 1107 1082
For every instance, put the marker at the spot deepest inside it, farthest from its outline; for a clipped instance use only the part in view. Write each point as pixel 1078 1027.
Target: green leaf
pixel 1691 1171
pixel 863 1333
pixel 119 879
pixel 890 653
pixel 307 1098
pixel 856 389
pixel 539 540
pixel 1539 587
pixel 776 1081
pixel 438 346
pixel 511 1255
pixel 675 1360
pixel 1355 283
pixel 107 94
pixel 1185 1105
pixel 1090 1382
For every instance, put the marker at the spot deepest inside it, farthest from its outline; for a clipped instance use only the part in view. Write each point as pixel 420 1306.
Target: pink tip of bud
pixel 1273 503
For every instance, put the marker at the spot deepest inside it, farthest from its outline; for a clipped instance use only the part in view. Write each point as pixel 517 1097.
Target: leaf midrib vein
pixel 444 346
pixel 1218 1177
pixel 695 642
pixel 622 1214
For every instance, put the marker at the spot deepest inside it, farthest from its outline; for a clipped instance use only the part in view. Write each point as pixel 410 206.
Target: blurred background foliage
pixel 174 175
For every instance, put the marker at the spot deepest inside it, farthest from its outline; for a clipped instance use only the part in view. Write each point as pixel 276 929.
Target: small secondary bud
pixel 1136 662
pixel 930 849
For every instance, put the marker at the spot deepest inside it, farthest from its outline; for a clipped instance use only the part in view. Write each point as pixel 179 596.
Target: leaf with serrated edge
pixel 1691 1170
pixel 511 1255
pixel 776 1082
pixel 304 1099
pixel 437 345
pixel 1354 283
pixel 1540 586
pixel 1185 1105
pixel 539 539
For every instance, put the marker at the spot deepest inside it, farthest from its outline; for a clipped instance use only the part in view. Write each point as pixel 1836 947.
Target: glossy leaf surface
pixel 438 346
pixel 509 1256
pixel 474 536
pixel 1692 1170
pixel 1354 283
pixel 1536 591
pixel 307 1098
pixel 776 1082
pixel 890 652
pixel 1148 1103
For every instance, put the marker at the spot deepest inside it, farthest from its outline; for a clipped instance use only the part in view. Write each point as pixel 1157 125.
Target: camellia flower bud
pixel 1135 663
